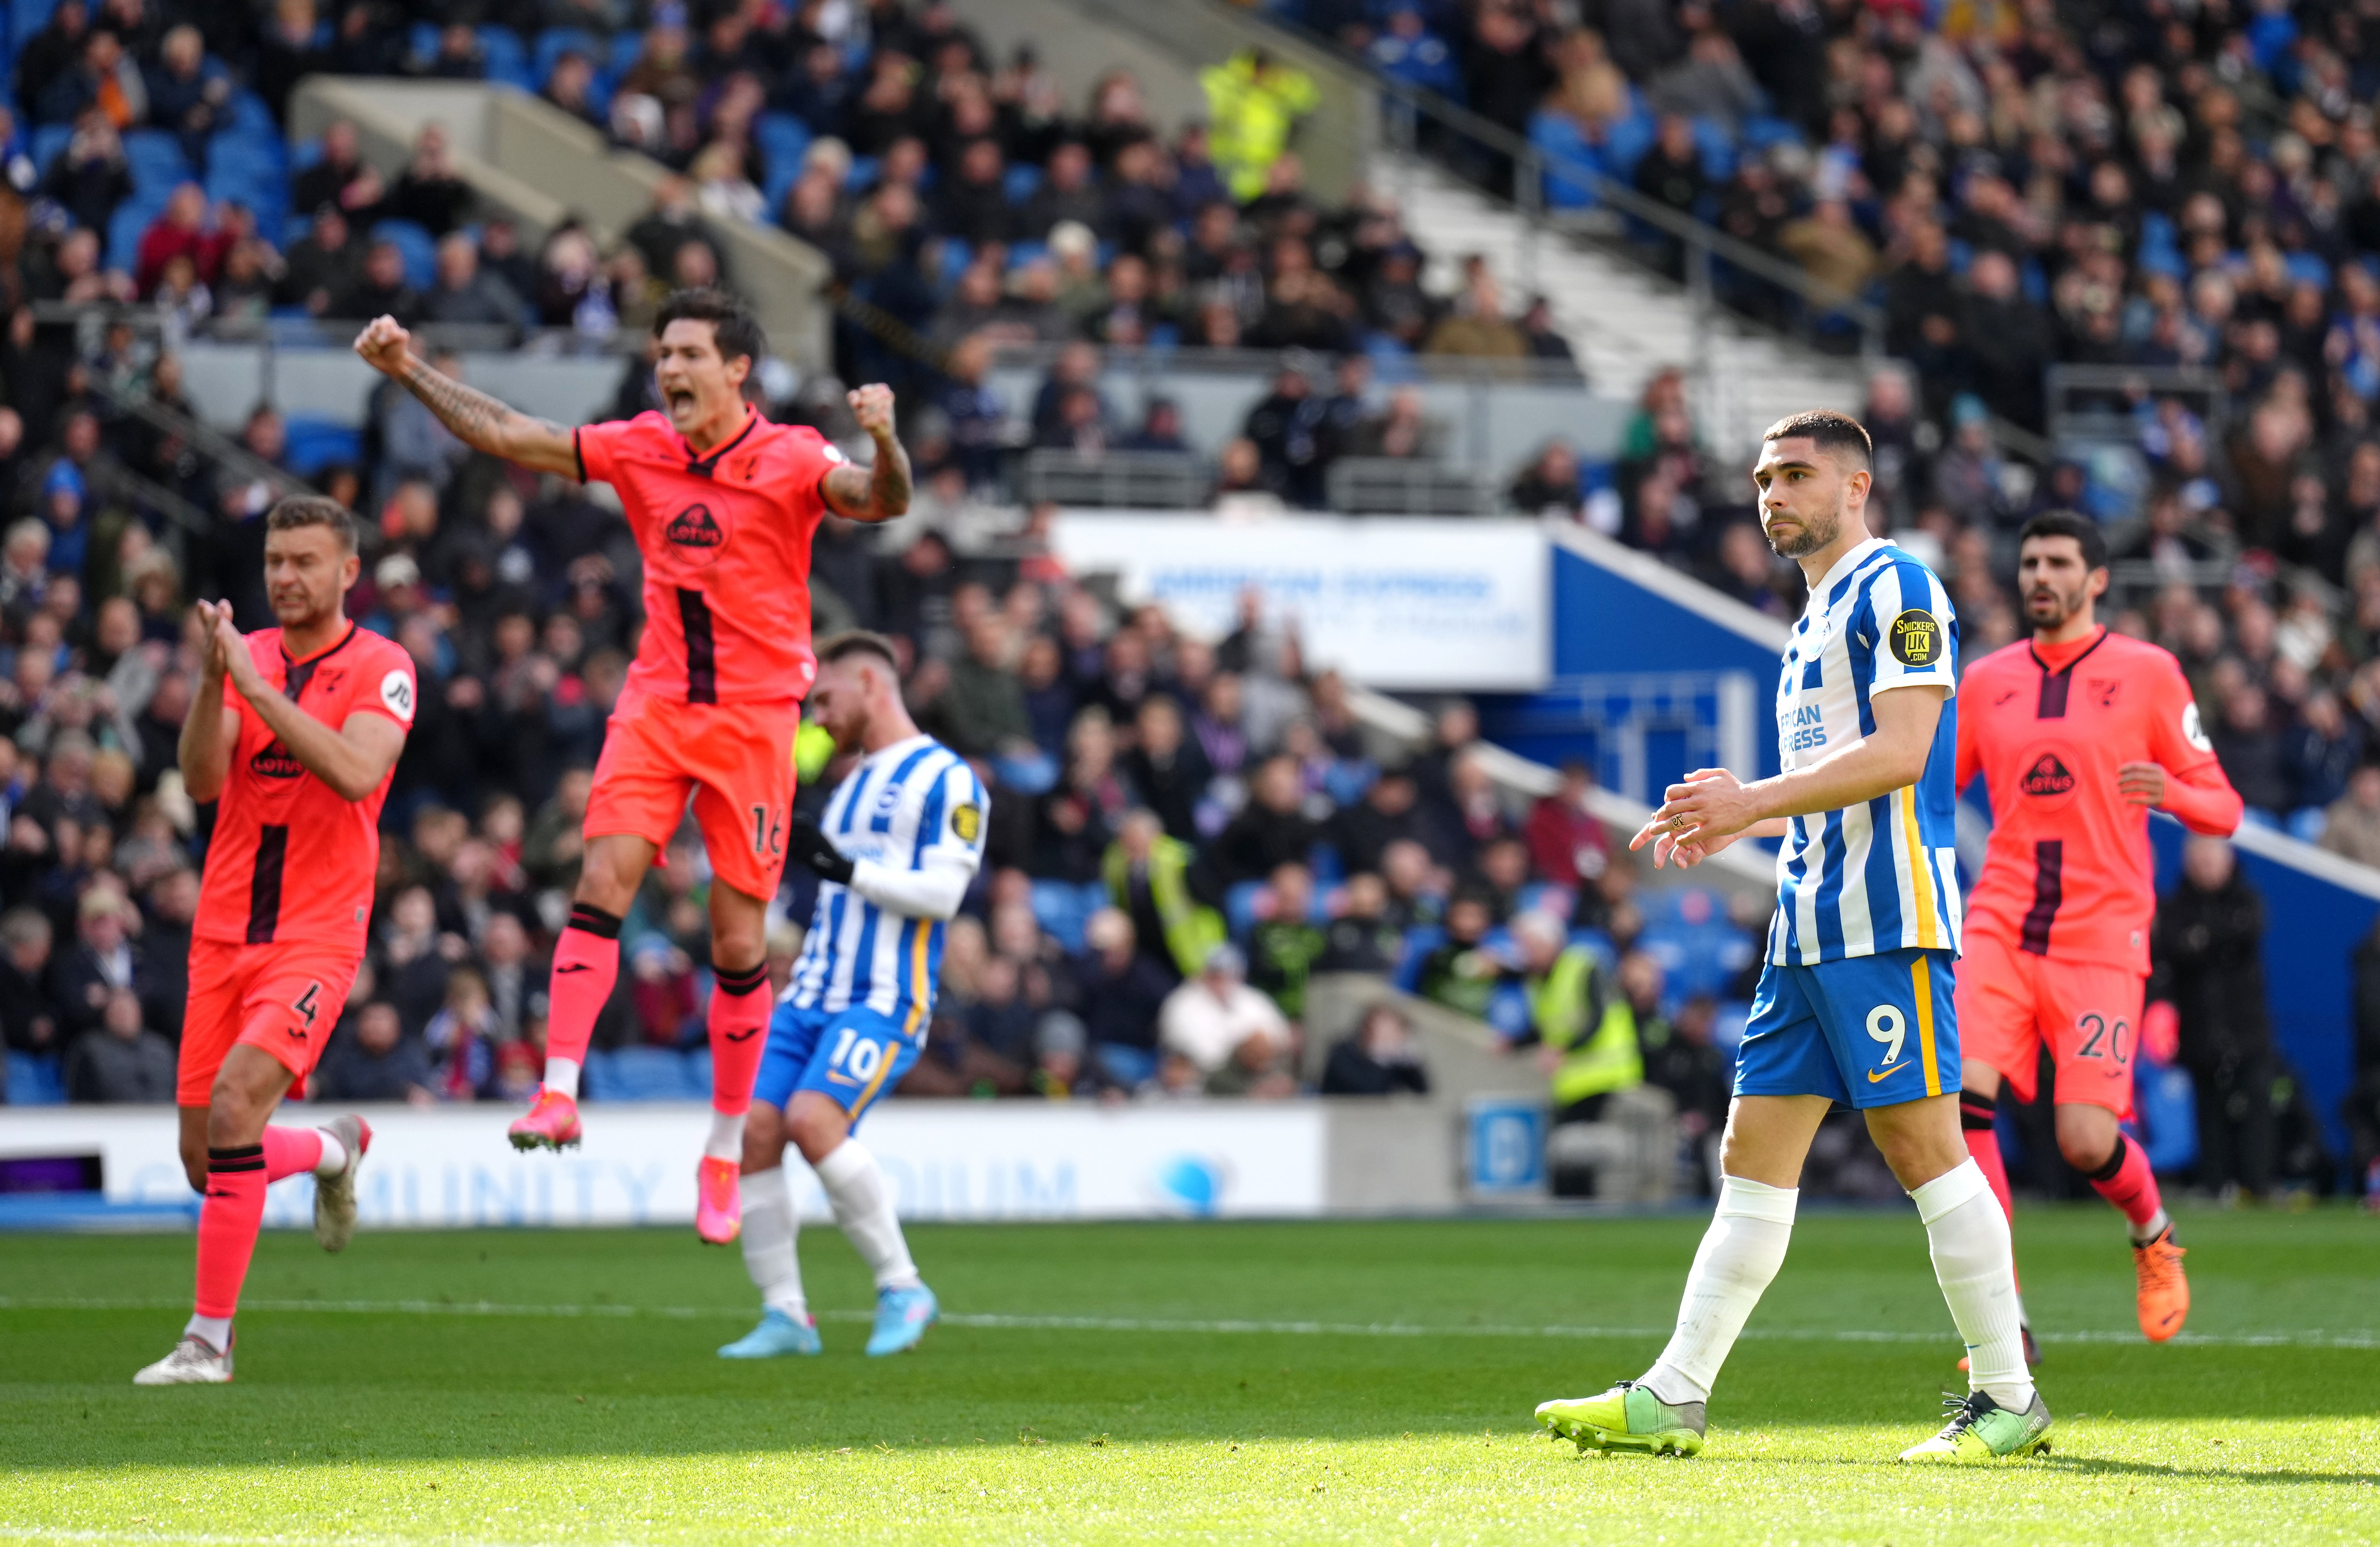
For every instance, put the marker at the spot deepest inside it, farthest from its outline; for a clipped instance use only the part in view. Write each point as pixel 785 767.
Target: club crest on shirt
pixel 2103 690
pixel 1917 638
pixel 695 533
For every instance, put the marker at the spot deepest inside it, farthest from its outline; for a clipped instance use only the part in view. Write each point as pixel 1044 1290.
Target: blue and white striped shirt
pixel 1882 875
pixel 913 806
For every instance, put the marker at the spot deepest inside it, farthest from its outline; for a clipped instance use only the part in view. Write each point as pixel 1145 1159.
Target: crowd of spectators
pixel 2193 189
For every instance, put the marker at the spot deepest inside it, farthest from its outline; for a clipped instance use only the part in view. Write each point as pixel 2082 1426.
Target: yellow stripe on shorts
pixel 1921 977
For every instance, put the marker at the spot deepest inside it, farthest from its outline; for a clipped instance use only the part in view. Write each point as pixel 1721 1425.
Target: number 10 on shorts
pixel 855 1057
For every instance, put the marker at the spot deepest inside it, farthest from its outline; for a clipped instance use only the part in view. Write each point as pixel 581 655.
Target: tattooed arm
pixel 876 494
pixel 477 420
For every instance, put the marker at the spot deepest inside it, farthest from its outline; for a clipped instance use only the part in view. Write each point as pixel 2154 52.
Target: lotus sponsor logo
pixel 276 762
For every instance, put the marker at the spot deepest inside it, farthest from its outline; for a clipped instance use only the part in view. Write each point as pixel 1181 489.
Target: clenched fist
pixel 384 345
pixel 872 405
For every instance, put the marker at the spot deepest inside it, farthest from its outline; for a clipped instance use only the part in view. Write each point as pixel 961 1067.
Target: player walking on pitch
pixel 902 840
pixel 298 750
pixel 2077 732
pixel 1854 1004
pixel 724 505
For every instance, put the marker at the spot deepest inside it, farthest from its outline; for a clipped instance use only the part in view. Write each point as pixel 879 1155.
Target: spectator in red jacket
pixel 181 231
pixel 1566 843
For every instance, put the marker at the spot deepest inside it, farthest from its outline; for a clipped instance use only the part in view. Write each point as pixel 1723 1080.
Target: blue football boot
pixel 777 1335
pixel 902 1318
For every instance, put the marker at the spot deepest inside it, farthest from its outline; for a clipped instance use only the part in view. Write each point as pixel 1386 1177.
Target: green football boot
pixel 1981 1430
pixel 1628 1416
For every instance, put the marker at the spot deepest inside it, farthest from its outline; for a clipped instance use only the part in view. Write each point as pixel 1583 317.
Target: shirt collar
pixel 907 745
pixel 1843 566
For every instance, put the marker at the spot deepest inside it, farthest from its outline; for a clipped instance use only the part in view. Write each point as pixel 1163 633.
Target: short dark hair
pixel 312 510
pixel 859 642
pixel 1828 430
pixel 733 326
pixel 2066 523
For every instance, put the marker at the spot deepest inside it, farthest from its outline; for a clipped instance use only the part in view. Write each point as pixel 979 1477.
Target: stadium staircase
pixel 1626 322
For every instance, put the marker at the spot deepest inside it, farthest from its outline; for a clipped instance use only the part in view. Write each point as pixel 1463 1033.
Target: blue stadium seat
pixel 1681 907
pixel 627 47
pixel 155 157
pixel 784 139
pixel 1420 941
pixel 555 42
pixel 2167 1107
pixel 1544 896
pixel 862 176
pixel 247 168
pixel 1022 253
pixel 508 58
pixel 27 17
pixel 1021 183
pixel 249 112
pixel 1240 908
pixel 34 1079
pixel 419 248
pixel 1625 144
pixel 1716 146
pixel 1760 133
pixel 316 444
pixel 1062 908
pixel 421 39
pixel 132 217
pixel 48 141
pixel 1600 943
pixel 2307 268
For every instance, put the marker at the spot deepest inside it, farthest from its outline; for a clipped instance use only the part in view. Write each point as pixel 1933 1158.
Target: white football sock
pixel 2160 1222
pixel 562 1077
pixel 863 1206
pixel 334 1156
pixel 1976 1267
pixel 1741 1252
pixel 726 1140
pixel 769 1228
pixel 216 1329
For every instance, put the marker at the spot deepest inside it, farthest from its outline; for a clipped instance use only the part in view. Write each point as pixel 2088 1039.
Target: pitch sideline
pixel 997 1322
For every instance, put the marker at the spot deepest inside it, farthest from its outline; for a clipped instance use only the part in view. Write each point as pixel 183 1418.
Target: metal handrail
pixel 1460 368
pixel 115 480
pixel 213 444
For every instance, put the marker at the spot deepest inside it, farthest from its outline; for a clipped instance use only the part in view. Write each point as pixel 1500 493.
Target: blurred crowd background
pixel 1183 831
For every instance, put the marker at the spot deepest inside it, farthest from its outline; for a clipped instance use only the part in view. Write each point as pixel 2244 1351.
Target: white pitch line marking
pixel 2311 1338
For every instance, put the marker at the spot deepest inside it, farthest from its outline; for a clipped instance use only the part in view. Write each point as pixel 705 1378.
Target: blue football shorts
pixel 851 1056
pixel 1867 1031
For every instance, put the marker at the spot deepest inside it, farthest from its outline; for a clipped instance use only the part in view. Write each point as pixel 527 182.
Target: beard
pixel 1812 536
pixel 2059 607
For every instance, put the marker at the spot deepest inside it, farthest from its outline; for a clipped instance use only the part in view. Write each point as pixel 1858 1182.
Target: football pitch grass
pixel 1222 1381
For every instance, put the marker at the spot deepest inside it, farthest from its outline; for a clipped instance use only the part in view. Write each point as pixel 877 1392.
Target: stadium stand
pixel 2113 278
